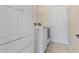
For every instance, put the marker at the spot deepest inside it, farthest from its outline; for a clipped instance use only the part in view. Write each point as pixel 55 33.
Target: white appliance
pixel 41 40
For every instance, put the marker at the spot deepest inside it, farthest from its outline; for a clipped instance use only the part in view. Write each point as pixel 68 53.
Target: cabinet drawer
pixel 29 49
pixel 17 45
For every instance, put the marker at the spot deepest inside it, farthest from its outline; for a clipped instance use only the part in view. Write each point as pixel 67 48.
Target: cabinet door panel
pixel 27 25
pixel 8 24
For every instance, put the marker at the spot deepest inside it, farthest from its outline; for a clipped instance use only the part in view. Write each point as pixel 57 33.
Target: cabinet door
pixel 27 24
pixel 8 24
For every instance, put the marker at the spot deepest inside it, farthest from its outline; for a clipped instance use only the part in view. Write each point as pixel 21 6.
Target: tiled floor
pixel 58 48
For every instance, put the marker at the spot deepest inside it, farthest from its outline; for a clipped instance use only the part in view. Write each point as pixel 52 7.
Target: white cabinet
pixel 16 30
pixel 8 24
pixel 26 23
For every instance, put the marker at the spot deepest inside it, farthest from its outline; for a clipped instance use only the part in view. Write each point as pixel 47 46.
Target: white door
pixel 58 19
pixel 8 24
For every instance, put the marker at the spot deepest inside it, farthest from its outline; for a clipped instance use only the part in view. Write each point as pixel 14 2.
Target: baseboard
pixel 60 42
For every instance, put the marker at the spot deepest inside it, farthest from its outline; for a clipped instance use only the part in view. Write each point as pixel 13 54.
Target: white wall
pixel 74 27
pixel 58 19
